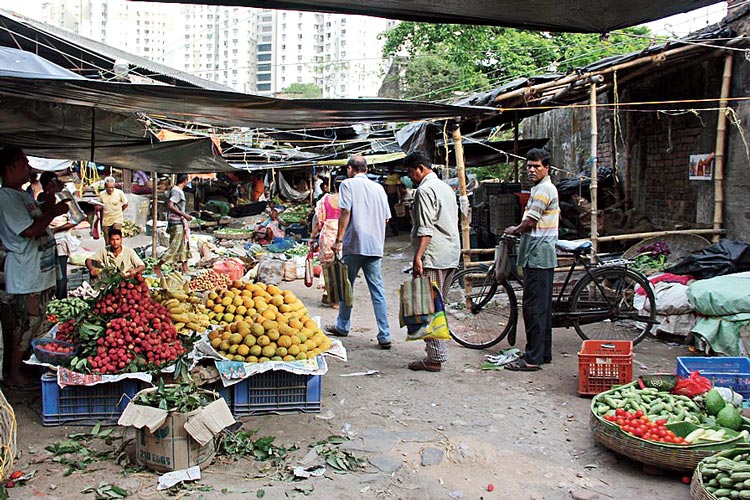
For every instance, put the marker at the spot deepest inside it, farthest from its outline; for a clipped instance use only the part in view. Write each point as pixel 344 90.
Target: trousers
pixel 371 267
pixel 537 314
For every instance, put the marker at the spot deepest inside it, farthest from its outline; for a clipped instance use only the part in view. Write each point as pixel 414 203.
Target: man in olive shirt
pixel 538 257
pixel 436 242
pixel 117 256
pixel 115 203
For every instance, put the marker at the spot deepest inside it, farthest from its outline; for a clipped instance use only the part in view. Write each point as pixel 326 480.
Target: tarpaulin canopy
pixel 228 109
pixel 67 131
pixel 592 16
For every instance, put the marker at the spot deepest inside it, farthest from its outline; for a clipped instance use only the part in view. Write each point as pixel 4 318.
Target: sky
pixel 679 25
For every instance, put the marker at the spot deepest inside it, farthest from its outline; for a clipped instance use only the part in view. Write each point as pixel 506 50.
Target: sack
pixel 270 271
pixel 415 297
pixel 290 270
pixel 309 272
pixel 432 326
pixel 694 385
pixel 502 260
pixel 338 287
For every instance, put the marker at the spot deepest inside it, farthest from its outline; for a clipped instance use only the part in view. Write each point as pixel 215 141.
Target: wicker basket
pixel 233 236
pixel 681 245
pixel 681 458
pixel 697 489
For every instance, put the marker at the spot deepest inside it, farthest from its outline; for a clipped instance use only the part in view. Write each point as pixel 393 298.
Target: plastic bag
pixel 694 385
pixel 234 268
pixel 270 271
pixel 502 260
pixel 309 272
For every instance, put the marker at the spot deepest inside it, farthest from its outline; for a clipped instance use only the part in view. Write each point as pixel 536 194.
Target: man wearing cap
pixel 115 203
pixel 30 272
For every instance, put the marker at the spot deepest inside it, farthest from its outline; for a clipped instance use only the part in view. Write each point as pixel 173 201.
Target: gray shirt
pixel 435 214
pixel 368 204
pixel 176 196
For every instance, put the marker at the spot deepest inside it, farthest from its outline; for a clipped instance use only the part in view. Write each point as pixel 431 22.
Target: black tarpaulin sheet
pixel 228 109
pixel 588 16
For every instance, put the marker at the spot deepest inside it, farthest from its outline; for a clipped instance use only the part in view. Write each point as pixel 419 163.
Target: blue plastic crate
pixel 721 371
pixel 85 405
pixel 277 392
pixel 225 392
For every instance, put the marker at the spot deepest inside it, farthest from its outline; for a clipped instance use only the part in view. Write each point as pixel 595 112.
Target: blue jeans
pixel 371 267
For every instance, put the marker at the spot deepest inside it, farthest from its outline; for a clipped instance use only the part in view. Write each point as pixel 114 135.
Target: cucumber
pixel 745 494
pixel 739 476
pixel 722 492
pixel 740 467
pixel 727 466
pixel 726 483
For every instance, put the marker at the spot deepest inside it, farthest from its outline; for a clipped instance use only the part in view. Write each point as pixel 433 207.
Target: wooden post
pixel 721 141
pixel 463 199
pixel 594 168
pixel 155 213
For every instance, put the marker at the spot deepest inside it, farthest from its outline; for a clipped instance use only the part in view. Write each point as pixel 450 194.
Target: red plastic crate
pixel 603 364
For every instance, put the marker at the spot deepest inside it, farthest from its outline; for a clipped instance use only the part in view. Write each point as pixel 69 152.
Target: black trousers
pixel 392 201
pixel 537 314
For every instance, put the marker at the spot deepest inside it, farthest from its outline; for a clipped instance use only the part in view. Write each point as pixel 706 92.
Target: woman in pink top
pixel 325 224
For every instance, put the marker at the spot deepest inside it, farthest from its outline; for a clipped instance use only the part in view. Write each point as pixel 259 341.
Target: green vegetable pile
pixel 727 478
pixel 295 215
pixel 62 310
pixel 652 258
pixel 181 398
pixel 150 262
pixel 652 402
pixel 298 250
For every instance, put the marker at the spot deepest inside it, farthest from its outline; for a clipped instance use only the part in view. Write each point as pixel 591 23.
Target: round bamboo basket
pixel 698 490
pixel 681 245
pixel 233 236
pixel 681 458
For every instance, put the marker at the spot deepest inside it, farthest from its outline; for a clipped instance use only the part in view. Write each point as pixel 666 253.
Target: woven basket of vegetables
pixel 723 475
pixel 670 436
pixel 233 234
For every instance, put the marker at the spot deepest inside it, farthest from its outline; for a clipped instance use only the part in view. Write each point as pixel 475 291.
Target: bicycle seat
pixel 575 246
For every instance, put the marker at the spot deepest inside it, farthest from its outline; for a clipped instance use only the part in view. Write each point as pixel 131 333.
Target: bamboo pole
pixel 154 214
pixel 653 234
pixel 628 158
pixel 572 78
pixel 594 169
pixel 464 201
pixel 721 141
pixel 515 147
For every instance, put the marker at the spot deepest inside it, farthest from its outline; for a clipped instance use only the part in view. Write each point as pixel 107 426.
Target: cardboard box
pixel 167 441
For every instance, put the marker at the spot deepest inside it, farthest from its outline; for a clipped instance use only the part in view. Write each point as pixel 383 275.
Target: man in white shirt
pixel 360 239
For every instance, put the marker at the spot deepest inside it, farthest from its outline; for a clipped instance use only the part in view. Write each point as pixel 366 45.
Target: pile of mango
pixel 263 323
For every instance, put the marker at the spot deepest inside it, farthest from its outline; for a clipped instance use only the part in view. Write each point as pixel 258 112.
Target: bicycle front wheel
pixel 613 304
pixel 480 311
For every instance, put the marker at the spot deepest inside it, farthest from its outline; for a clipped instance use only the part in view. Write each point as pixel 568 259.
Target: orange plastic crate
pixel 603 364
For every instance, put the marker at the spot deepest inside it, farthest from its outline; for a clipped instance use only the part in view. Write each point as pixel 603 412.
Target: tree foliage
pixel 306 90
pixel 479 57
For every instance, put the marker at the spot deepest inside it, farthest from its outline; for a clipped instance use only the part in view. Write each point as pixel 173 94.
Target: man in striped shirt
pixel 537 256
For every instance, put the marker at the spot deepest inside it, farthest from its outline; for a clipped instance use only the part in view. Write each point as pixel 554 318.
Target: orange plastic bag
pixel 234 268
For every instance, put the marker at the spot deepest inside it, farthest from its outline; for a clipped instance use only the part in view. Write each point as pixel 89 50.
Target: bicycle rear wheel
pixel 480 311
pixel 613 303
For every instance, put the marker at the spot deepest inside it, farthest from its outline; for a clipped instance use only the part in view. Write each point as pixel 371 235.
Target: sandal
pixel 520 365
pixel 334 331
pixel 424 365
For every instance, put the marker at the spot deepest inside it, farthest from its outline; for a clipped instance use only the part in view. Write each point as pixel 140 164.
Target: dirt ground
pixel 426 435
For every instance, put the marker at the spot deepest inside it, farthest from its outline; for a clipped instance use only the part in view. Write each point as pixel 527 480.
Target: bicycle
pixel 602 305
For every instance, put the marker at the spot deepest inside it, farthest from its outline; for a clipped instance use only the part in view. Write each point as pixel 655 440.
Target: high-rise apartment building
pixel 250 50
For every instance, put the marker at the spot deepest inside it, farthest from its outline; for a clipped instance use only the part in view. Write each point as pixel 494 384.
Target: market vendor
pixel 270 229
pixel 30 260
pixel 177 227
pixel 115 203
pixel 116 255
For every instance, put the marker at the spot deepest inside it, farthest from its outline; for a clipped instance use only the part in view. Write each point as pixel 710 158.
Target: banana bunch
pixel 186 310
pixel 174 281
pixel 59 311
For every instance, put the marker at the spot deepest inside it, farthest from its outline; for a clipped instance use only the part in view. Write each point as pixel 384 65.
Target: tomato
pixel 619 412
pixel 620 422
pixel 639 414
pixel 685 479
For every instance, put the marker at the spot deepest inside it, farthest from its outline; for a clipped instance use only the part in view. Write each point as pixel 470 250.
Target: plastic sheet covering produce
pixel 725 303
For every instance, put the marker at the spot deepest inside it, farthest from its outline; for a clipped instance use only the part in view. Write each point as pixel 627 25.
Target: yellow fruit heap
pixel 263 323
pixel 186 311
